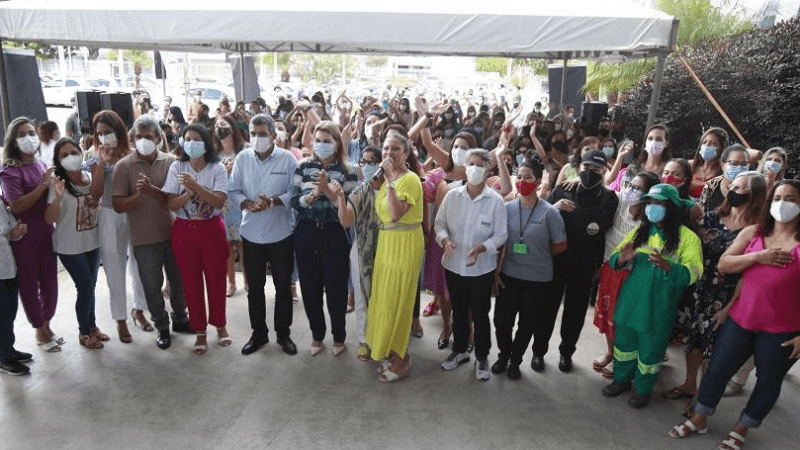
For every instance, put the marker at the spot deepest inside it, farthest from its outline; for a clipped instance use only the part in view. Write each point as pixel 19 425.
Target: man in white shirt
pixel 470 227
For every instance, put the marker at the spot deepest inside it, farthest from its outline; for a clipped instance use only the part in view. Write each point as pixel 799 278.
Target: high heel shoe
pixel 143 324
pixel 443 343
pixel 200 349
pixel 124 335
pixel 430 309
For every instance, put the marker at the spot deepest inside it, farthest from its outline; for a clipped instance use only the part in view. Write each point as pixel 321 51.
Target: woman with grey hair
pixel 470 227
pixel 773 166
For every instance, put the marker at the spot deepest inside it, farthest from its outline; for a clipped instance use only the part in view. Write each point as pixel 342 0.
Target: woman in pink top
pixel 765 318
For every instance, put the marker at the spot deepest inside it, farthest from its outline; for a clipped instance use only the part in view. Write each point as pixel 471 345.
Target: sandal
pixel 143 323
pixel 608 371
pixel 90 341
pixel 49 347
pixel 602 361
pixel 99 335
pixel 231 290
pixel 124 335
pixel 430 309
pixel 685 429
pixel 58 339
pixel 224 341
pixel 733 441
pixel 688 410
pixel 363 352
pixel 388 376
pixel 200 349
pixel 383 366
pixel 443 342
pixel 676 394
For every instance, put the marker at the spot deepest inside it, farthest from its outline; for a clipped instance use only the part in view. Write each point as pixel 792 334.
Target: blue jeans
pixel 83 269
pixel 9 302
pixel 733 347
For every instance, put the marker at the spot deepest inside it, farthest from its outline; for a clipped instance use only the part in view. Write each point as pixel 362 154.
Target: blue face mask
pixel 773 166
pixel 195 149
pixel 520 159
pixel 479 130
pixel 655 213
pixel 708 152
pixel 324 150
pixel 608 151
pixel 731 172
pixel 369 171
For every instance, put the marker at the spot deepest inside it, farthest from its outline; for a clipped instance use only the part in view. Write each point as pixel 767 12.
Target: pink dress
pixel 770 298
pixel 434 272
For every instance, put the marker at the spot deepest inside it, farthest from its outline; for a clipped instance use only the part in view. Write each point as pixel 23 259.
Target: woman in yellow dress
pixel 397 261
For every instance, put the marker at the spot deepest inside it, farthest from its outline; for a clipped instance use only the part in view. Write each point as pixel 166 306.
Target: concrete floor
pixel 135 396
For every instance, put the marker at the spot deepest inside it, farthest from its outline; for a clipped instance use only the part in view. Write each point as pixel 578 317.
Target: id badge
pixel 520 248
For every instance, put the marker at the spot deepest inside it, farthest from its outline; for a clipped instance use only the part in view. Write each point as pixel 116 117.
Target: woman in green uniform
pixel 664 257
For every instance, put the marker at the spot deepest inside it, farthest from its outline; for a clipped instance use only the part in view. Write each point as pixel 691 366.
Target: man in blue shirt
pixel 261 184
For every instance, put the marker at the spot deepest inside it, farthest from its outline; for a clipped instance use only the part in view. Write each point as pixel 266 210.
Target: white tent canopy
pixel 533 29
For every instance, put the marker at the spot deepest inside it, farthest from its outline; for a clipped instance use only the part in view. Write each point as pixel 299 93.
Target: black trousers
pixel 9 302
pixel 517 297
pixel 573 282
pixel 471 295
pixel 323 262
pixel 280 257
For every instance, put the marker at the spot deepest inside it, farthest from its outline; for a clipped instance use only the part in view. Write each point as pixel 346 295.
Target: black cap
pixel 595 157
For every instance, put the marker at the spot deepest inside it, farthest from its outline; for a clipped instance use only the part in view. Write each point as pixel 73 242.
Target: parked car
pixel 60 91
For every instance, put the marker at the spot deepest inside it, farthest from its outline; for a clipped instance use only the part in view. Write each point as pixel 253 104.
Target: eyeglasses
pixel 737 164
pixel 363 163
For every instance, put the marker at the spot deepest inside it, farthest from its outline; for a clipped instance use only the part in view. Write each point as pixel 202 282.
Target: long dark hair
pixel 722 137
pixel 671 226
pixel 767 222
pixel 112 119
pixel 686 186
pixel 469 137
pixel 238 141
pixel 59 170
pixel 211 153
pixel 666 155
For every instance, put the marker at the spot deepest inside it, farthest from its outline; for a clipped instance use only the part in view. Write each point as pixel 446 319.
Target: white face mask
pixel 260 144
pixel 28 144
pixel 459 156
pixel 783 211
pixel 145 147
pixel 324 150
pixel 368 131
pixel 108 139
pixel 282 135
pixel 475 175
pixel 72 163
pixel 654 147
pixel 773 166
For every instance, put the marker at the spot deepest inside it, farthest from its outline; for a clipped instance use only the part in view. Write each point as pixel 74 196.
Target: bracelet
pixel 390 185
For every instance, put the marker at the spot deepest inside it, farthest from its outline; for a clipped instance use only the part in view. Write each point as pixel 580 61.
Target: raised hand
pixel 59 186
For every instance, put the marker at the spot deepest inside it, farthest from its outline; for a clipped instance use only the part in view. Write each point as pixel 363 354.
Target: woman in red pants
pixel 197 189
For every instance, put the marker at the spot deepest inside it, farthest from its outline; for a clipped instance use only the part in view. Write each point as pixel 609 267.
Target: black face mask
pixel 735 199
pixel 590 179
pixel 222 133
pixel 602 134
pixel 618 135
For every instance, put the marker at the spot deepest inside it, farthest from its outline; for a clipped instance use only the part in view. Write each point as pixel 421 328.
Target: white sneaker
pixel 482 370
pixel 454 360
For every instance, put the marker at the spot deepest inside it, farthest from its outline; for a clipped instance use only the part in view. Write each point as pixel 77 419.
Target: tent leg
pixel 651 113
pixel 563 85
pixel 6 110
pixel 241 72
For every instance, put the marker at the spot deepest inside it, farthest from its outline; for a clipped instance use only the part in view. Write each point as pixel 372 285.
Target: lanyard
pixel 530 216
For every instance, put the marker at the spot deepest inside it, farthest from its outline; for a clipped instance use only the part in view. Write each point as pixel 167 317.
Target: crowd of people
pixel 471 202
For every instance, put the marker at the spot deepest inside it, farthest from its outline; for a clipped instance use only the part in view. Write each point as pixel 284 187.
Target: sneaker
pixel 482 370
pixel 454 360
pixel 22 356
pixel 14 368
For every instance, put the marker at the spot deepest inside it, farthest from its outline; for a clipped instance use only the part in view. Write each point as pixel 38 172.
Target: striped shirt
pixel 321 211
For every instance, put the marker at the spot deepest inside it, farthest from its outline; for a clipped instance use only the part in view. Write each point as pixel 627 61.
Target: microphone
pixel 378 174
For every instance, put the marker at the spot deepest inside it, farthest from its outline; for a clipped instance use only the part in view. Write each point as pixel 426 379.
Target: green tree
pixel 284 60
pixel 377 61
pixel 322 67
pixel 700 22
pixel 494 64
pixel 141 58
pixel 41 51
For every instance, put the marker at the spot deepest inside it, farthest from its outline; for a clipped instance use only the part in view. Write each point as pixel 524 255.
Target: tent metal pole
pixel 6 110
pixel 651 113
pixel 241 71
pixel 563 84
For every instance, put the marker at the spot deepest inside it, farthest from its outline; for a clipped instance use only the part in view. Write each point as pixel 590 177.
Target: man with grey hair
pixel 137 183
pixel 261 184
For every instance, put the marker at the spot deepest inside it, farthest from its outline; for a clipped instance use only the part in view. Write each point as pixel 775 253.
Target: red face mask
pixel 525 188
pixel 672 180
